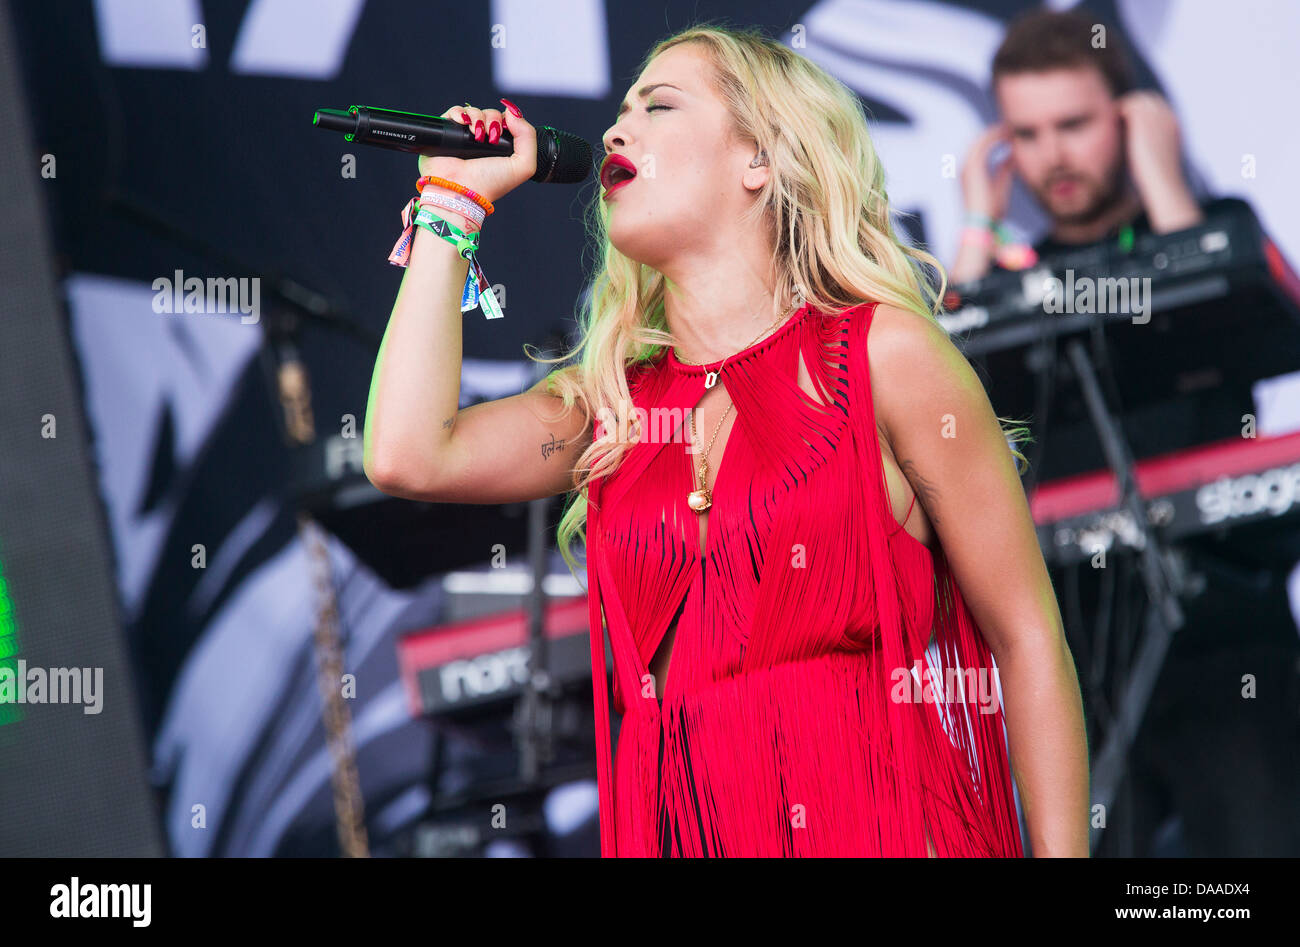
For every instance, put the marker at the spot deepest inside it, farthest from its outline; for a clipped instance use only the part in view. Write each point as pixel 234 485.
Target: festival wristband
pixel 979 236
pixel 1012 254
pixel 466 243
pixel 1016 256
pixel 477 291
pixel 435 197
pixel 401 253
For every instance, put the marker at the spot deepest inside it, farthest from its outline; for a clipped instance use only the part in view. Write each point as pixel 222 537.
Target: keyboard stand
pixel 1163 576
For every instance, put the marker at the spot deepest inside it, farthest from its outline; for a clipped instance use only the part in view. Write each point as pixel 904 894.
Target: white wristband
pixel 450 200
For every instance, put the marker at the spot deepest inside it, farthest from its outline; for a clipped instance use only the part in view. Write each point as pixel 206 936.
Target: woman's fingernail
pixel 514 109
pixel 465 117
pixel 478 130
pixel 494 132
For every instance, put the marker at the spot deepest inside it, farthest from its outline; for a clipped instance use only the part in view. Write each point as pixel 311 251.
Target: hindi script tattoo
pixel 550 447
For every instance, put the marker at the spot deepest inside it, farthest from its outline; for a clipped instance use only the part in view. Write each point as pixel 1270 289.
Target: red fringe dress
pixel 803 714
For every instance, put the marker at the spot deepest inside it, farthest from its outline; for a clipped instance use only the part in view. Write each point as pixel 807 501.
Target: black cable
pixel 1101 632
pixel 1044 387
pixel 1101 351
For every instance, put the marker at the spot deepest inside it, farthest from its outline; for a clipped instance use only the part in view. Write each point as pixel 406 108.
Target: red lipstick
pixel 616 172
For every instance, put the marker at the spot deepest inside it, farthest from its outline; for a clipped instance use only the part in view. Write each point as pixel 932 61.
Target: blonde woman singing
pixel 833 631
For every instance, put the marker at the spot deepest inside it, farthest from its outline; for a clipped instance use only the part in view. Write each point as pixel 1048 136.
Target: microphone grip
pixel 443 138
pixel 562 157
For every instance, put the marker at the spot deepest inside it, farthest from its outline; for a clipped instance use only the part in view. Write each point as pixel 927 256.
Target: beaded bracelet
pixel 458 188
pixel 474 196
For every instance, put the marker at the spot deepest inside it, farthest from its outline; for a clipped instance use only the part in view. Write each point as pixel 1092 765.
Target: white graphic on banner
pixel 542 51
pixel 157 35
pixel 192 368
pixel 300 39
pixel 305 39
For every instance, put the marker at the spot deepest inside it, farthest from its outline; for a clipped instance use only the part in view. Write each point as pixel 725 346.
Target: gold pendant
pixel 710 379
pixel 699 500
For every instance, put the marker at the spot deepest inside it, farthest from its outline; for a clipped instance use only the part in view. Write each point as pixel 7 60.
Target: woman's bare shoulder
pixel 909 353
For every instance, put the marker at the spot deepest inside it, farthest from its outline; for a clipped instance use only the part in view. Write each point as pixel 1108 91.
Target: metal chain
pixel 349 811
pixel 704 464
pixel 755 342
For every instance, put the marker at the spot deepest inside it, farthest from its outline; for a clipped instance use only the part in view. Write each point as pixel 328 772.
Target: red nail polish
pixel 514 109
pixel 478 130
pixel 465 116
pixel 494 132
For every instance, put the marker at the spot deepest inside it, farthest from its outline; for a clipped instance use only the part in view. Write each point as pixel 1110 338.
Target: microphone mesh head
pixel 562 157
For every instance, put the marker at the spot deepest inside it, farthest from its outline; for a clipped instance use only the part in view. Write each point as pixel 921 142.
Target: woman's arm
pixel 947 439
pixel 417 444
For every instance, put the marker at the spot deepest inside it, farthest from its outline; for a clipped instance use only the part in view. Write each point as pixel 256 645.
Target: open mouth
pixel 616 172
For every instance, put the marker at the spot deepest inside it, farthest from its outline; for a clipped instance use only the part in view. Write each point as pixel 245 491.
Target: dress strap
pixel 907 517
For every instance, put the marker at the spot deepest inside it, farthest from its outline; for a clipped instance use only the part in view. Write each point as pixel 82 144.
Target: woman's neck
pixel 721 310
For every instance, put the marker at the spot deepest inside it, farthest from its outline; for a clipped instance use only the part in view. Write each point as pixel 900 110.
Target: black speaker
pixel 73 781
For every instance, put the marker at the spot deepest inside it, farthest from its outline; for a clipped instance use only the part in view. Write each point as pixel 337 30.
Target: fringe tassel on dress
pixel 829 693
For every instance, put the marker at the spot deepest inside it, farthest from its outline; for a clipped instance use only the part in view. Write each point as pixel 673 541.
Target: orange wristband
pixel 474 196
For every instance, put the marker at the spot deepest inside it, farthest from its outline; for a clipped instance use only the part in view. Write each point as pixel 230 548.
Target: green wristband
pixel 466 244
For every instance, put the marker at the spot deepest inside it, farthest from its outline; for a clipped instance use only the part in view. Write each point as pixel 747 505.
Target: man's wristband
pixel 978 236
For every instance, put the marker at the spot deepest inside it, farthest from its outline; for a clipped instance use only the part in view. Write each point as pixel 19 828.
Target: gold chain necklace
pixel 701 499
pixel 711 377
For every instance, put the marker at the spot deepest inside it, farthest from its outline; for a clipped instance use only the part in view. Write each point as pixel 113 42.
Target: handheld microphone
pixel 562 157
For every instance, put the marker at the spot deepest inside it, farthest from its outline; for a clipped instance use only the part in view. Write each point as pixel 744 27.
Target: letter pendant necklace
pixel 701 498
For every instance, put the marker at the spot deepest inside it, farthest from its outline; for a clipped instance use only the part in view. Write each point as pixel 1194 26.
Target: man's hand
pixel 1153 147
pixel 986 190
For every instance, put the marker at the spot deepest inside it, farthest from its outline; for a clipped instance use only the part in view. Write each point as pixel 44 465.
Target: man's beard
pixel 1105 200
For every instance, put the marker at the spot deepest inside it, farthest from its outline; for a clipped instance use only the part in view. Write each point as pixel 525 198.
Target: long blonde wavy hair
pixel 825 202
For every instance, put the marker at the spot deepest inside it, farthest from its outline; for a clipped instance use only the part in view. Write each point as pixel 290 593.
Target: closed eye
pixel 655 108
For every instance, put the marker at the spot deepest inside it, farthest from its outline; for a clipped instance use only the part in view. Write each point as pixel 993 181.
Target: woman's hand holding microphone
pixel 491 178
pixel 456 196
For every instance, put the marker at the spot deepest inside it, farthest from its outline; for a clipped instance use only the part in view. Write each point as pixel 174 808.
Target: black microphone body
pixel 562 157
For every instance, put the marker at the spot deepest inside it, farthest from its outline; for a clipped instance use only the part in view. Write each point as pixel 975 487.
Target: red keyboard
pixel 1189 492
pixel 474 664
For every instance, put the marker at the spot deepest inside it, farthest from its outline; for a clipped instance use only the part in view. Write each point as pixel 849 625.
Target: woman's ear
pixel 757 173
